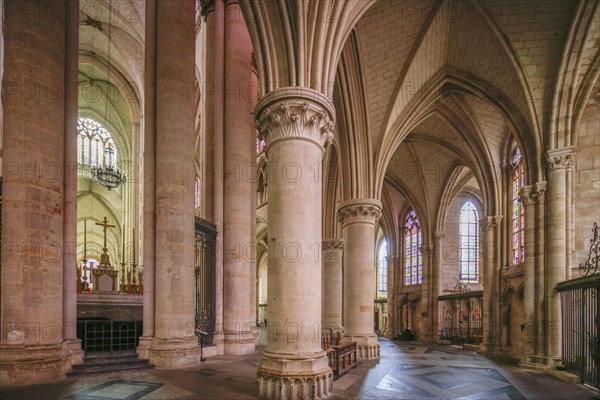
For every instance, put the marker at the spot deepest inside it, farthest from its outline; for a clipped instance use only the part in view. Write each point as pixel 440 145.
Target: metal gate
pixel 580 302
pixel 206 235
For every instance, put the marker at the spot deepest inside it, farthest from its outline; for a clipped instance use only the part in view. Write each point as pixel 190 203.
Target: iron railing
pixel 462 317
pixel 108 336
pixel 580 302
pixel 206 236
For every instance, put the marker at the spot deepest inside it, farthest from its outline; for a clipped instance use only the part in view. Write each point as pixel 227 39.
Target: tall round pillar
pixel 541 188
pixel 489 258
pixel 149 182
pixel 528 198
pixel 174 344
pixel 296 123
pixel 33 89
pixel 331 302
pixel 359 218
pixel 558 162
pixel 71 344
pixel 436 278
pixel 239 321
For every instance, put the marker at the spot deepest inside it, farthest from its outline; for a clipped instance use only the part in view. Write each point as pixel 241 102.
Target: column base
pixel 73 351
pixel 23 364
pixel 290 377
pixel 143 349
pixel 536 362
pixel 175 353
pixel 367 346
pixel 240 342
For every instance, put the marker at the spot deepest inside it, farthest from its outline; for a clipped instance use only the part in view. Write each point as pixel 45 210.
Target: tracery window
pixel 95 145
pixel 518 211
pixel 382 269
pixel 469 243
pixel 413 243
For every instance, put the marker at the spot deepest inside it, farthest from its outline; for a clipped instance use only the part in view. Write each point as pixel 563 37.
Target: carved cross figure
pixel 104 258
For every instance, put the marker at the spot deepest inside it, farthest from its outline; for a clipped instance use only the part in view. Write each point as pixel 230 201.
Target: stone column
pixel 539 267
pixel 528 198
pixel 296 123
pixel 31 303
pixel 212 167
pixel 239 326
pixel 489 254
pixel 148 175
pixel 331 300
pixel 558 162
pixel 436 281
pixel 174 344
pixel 71 344
pixel 359 218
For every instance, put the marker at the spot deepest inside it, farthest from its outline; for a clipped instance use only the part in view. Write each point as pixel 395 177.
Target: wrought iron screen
pixel 580 302
pixel 107 336
pixel 206 235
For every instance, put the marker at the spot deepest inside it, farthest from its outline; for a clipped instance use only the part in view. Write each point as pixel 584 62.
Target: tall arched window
pixel 518 211
pixel 469 243
pixel 412 249
pixel 382 269
pixel 95 145
pixel 197 194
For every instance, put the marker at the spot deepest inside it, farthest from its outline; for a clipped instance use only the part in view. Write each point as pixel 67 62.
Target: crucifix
pixel 104 258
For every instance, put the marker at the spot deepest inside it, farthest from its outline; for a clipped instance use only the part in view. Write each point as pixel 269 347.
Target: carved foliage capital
pixel 295 113
pixel 333 245
pixel 562 158
pixel 362 210
pixel 490 222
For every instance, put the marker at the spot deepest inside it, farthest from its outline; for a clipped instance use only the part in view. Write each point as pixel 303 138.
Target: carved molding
pixel 490 222
pixel 295 113
pixel 562 158
pixel 333 245
pixel 531 194
pixel 359 210
pixel 292 387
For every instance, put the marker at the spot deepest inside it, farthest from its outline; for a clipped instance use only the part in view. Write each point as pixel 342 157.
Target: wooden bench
pixel 341 356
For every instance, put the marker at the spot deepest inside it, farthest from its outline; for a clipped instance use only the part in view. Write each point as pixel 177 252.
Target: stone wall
pixel 114 307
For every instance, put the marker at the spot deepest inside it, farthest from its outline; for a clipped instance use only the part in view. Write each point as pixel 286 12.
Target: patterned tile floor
pixel 405 371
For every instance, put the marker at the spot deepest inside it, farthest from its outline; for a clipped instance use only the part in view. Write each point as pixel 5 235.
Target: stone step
pixel 109 364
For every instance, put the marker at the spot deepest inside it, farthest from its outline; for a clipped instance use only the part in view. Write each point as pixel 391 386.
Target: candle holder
pixel 123 286
pixel 133 280
pixel 85 285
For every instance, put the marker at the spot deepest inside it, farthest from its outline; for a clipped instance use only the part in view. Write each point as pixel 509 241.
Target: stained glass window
pixel 518 211
pixel 96 147
pixel 469 243
pixel 382 269
pixel 413 243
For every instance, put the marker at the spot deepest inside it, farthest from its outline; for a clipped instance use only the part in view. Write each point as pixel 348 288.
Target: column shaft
pixel 528 200
pixel 488 259
pixel 436 278
pixel 296 123
pixel 33 189
pixel 149 182
pixel 72 345
pixel 174 344
pixel 359 218
pixel 558 162
pixel 331 303
pixel 239 325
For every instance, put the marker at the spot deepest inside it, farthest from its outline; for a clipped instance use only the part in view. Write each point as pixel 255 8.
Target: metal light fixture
pixel 108 175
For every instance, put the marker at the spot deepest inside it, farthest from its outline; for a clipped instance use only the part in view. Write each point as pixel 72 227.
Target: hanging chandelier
pixel 108 175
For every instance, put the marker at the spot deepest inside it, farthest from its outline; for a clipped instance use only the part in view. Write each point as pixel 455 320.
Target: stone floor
pixel 405 371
